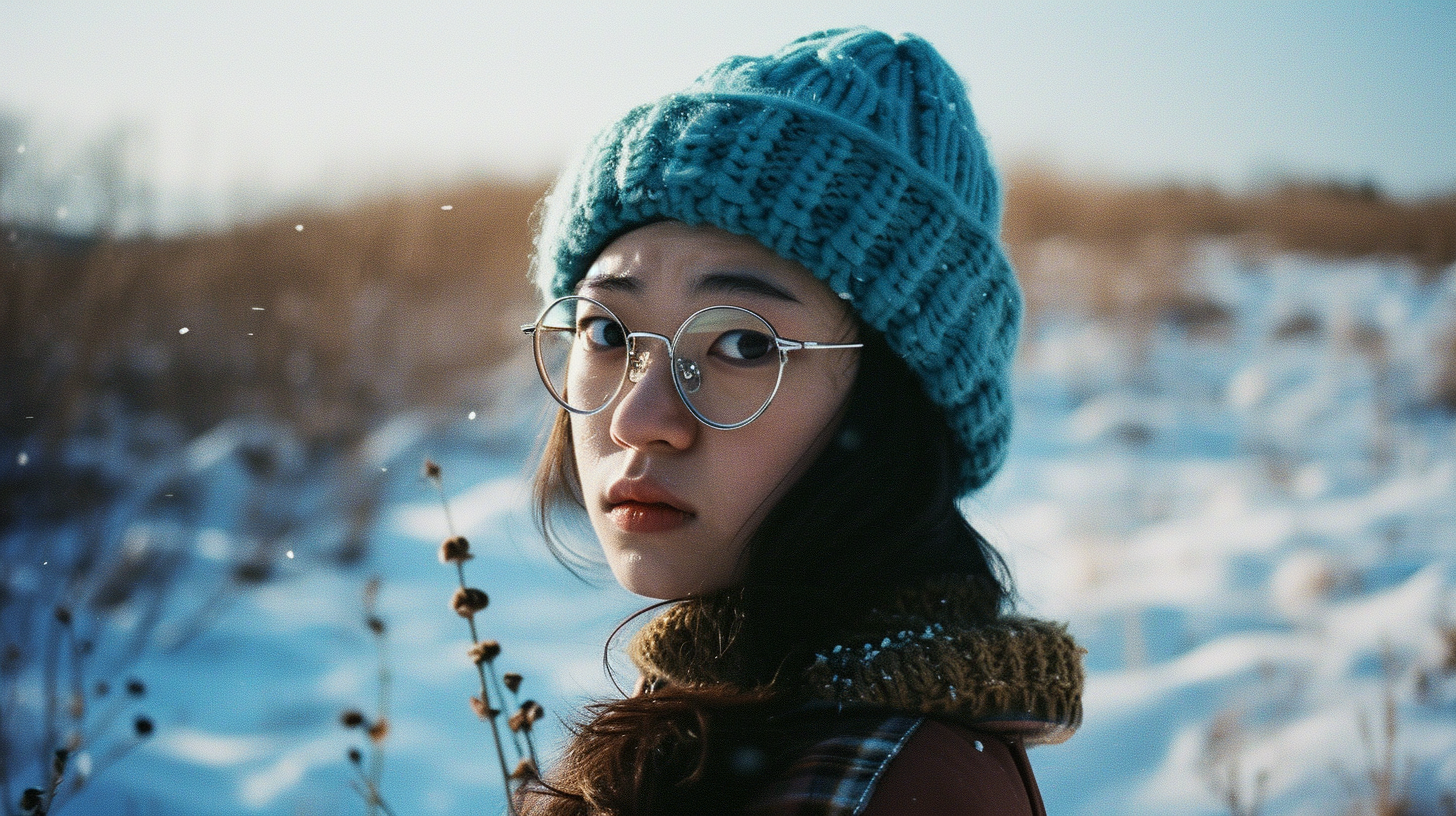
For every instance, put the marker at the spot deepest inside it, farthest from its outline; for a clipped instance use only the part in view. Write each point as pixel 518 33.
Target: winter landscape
pixel 260 263
pixel 1237 484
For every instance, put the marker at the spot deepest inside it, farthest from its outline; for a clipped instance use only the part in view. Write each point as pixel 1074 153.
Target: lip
pixel 642 506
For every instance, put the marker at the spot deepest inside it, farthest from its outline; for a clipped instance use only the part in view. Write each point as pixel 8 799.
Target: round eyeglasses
pixel 726 361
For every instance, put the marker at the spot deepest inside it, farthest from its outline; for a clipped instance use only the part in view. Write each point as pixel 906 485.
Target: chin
pixel 650 578
pixel 636 575
pixel 649 587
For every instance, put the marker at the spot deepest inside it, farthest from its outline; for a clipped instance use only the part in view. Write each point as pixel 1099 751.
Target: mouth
pixel 645 507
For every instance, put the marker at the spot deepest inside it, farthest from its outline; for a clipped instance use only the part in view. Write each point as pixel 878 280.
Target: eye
pixel 742 346
pixel 601 332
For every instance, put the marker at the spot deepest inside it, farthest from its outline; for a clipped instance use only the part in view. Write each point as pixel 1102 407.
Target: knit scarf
pixel 922 649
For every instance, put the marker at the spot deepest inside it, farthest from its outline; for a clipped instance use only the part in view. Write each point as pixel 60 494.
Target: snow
pixel 1271 547
pixel 1252 535
pixel 477 508
pixel 214 749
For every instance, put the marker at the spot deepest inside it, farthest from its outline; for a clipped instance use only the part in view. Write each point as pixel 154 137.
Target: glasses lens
pixel 727 364
pixel 581 351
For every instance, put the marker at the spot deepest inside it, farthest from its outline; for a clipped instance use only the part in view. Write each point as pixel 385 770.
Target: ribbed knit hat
pixel 853 153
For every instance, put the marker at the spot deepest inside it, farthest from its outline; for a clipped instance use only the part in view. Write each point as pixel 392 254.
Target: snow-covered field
pixel 1250 523
pixel 1254 534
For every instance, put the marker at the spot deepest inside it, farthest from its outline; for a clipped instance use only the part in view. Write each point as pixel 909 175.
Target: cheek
pixel 815 400
pixel 796 429
pixel 587 437
pixel 591 434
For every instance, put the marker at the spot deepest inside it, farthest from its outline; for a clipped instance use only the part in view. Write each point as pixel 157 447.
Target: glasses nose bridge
pixel 640 359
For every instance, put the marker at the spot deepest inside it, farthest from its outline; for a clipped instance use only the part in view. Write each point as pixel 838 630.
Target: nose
pixel 650 414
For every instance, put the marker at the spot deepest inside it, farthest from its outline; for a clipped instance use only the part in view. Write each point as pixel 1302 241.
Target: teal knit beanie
pixel 853 153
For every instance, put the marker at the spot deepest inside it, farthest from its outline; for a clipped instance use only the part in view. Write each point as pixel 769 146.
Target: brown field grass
pixel 369 309
pixel 1122 250
pixel 395 303
pixel 1323 219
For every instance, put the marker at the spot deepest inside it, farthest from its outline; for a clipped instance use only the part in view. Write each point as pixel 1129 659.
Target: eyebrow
pixel 743 283
pixel 610 283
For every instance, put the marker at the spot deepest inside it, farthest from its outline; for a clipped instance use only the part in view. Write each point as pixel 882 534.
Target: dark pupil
pixel 612 334
pixel 752 345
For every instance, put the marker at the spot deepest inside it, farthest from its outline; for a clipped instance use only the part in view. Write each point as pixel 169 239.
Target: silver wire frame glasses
pixel 722 359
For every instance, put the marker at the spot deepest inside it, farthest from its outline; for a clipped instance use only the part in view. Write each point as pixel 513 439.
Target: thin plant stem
pixel 500 694
pixel 370 793
pixel 53 782
pixel 516 704
pixel 485 697
pixel 531 747
pixel 445 505
pixel 77 706
pixel 102 722
pixel 376 748
pixel 51 679
pixel 375 774
pixel 111 757
pixel 4 762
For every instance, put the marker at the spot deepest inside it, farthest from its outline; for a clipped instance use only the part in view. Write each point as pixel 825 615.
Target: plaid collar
pixel 837 775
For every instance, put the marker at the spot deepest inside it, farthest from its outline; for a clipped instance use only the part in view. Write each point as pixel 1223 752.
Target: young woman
pixel 779 327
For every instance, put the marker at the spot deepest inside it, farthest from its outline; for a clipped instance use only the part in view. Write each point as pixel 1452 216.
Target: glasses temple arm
pixel 809 345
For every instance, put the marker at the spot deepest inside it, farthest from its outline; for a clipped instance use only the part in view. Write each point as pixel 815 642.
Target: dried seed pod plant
pixel 78 739
pixel 467 602
pixel 371 772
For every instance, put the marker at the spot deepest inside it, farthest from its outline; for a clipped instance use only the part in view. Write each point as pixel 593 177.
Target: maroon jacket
pixel 905 765
pixel 949 770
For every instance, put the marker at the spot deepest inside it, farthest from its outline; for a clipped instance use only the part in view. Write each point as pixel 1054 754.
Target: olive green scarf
pixel 922 650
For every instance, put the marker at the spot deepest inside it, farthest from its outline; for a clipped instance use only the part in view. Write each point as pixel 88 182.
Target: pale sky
pixel 278 99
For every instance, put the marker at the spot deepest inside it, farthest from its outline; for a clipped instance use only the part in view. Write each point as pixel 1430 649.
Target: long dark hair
pixel 876 509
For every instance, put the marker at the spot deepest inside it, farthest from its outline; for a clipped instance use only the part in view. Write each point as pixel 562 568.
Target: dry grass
pixel 468 602
pixel 1120 251
pixel 386 304
pixel 320 333
pixel 1222 764
pixel 1323 219
pixel 364 310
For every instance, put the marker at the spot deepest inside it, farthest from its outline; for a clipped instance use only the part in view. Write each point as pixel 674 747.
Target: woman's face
pixel 672 500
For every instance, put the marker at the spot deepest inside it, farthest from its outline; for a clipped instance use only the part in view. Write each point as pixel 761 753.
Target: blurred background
pixel 259 261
